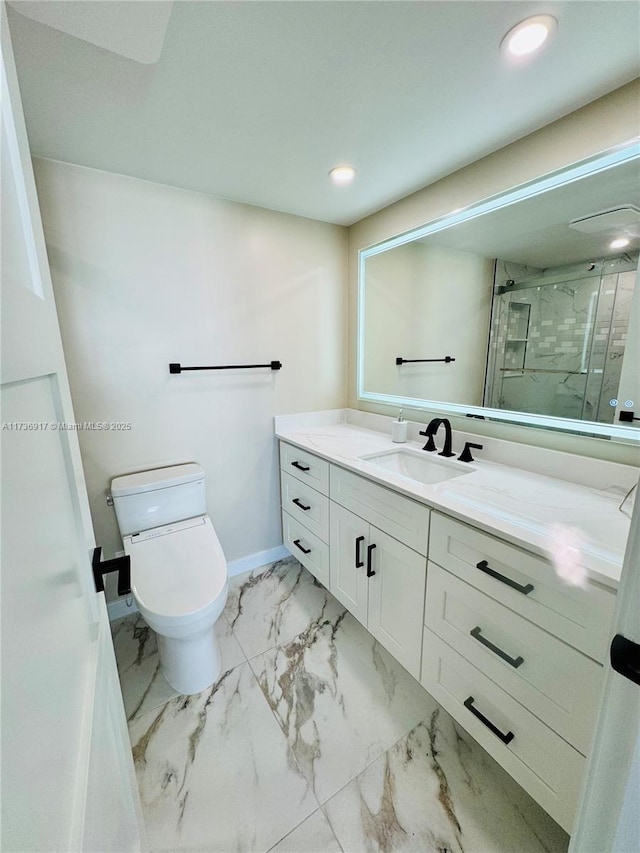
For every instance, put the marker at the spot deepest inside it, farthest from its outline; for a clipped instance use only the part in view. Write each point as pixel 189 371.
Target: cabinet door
pixel 396 599
pixel 349 540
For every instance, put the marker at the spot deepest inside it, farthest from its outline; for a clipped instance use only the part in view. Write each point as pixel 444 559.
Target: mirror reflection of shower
pixel 558 337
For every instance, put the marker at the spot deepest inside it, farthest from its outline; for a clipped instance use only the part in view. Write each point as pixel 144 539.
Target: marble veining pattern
pixel 436 790
pixel 340 698
pixel 321 743
pixel 267 608
pixel 214 771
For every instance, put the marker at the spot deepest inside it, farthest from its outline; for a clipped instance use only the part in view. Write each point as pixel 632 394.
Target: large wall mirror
pixel 524 307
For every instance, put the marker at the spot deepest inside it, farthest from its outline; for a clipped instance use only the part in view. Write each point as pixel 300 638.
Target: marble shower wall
pixel 558 346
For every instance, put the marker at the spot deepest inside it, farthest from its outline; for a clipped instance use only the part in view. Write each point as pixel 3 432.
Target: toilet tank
pixel 158 497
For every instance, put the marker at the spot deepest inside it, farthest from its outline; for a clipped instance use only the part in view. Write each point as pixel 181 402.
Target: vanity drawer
pixel 537 758
pixel 306 547
pixel 555 682
pixel 305 504
pixel 400 517
pixel 305 467
pixel 580 617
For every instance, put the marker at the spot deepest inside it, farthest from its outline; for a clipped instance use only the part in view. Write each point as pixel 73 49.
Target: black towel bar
pixel 447 360
pixel 179 368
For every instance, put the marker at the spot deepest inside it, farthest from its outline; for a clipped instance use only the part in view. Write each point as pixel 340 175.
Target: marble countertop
pixel 517 505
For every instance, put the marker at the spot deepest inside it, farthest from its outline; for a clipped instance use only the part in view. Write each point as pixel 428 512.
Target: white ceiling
pixel 256 101
pixel 536 231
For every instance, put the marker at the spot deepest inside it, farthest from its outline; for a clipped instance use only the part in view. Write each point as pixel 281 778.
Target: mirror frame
pixel 624 153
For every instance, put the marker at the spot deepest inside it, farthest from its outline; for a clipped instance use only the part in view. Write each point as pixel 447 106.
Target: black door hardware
pixel 359 563
pixel 121 565
pixel 399 360
pixel 179 368
pixel 484 567
pixel 625 658
pixel 300 467
pixel 297 502
pixel 628 416
pixel 370 572
pixel 466 456
pixel 304 550
pixel 477 635
pixel 505 738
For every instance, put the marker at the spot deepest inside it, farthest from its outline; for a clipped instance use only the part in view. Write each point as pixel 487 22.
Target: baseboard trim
pixel 118 608
pixel 261 559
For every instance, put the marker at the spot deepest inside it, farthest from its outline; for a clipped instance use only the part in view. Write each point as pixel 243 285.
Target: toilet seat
pixel 178 571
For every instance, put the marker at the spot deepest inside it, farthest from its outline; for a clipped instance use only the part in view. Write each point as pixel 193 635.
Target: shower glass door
pixel 558 340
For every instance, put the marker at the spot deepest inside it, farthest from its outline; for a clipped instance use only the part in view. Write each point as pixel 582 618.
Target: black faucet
pixel 430 432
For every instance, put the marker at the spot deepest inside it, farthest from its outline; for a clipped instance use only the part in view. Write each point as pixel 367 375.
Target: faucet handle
pixel 466 456
pixel 430 446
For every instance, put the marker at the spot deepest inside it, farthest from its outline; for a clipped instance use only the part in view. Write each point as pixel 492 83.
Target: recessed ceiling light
pixel 342 175
pixel 619 243
pixel 529 35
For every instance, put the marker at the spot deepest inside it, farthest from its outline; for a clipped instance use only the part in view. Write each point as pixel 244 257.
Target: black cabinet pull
pixel 300 467
pixel 359 563
pixel 296 501
pixel 476 634
pixel 304 550
pixel 370 572
pixel 505 738
pixel 484 567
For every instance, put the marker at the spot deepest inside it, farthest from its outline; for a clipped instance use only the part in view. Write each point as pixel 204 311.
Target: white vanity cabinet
pixel 380 581
pixel 514 655
pixel 508 649
pixel 378 568
pixel 304 489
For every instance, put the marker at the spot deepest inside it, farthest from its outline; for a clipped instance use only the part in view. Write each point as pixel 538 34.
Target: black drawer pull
pixel 476 634
pixel 484 567
pixel 296 501
pixel 370 572
pixel 359 563
pixel 304 550
pixel 505 738
pixel 300 467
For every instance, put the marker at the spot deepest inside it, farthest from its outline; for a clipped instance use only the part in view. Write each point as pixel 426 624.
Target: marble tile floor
pixel 313 740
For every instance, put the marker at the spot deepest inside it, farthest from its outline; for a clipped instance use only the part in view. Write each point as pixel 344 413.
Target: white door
pixel 349 539
pixel 608 819
pixel 396 599
pixel 67 771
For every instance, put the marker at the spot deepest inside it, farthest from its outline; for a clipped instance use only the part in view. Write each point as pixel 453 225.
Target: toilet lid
pixel 177 569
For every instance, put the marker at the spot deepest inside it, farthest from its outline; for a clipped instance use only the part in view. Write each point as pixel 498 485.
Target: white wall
pixel 427 301
pixel 606 122
pixel 145 275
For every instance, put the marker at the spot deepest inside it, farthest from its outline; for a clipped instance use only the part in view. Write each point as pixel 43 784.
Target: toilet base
pixel 191 665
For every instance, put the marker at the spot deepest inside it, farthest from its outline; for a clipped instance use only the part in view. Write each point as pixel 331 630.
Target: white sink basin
pixel 418 465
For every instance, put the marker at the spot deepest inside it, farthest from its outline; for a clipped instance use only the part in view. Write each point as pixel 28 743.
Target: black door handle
pixel 359 563
pixel 625 658
pixel 121 565
pixel 476 634
pixel 505 738
pixel 296 542
pixel 370 572
pixel 484 567
pixel 300 467
pixel 296 501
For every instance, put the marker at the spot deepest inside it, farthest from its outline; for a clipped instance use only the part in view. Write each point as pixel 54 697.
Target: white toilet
pixel 178 568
